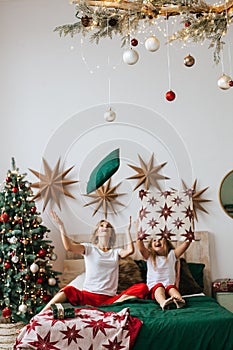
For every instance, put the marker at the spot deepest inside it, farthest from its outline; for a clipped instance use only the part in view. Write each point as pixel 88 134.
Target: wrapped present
pixel 63 310
pixel 222 285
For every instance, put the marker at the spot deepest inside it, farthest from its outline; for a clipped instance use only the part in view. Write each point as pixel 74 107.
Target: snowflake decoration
pixel 147 174
pixel 105 197
pixel 52 184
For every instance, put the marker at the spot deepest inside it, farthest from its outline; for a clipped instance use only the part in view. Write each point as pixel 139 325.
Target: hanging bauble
pixel 8 179
pixel 14 189
pixel 134 42
pixel 53 256
pixel 23 308
pixel 12 240
pixel 15 259
pixel 187 24
pixel 6 312
pixel 130 56
pixel 170 95
pixel 42 253
pixel 223 82
pixel 46 298
pixel 231 83
pixel 52 281
pixel 109 115
pixel 152 44
pixel 4 217
pixel 42 269
pixel 34 267
pixel 189 61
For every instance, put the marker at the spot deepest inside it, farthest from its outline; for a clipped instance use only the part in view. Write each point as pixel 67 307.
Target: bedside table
pixel 223 292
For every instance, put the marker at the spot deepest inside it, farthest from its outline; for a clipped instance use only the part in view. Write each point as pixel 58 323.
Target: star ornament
pixel 148 174
pixel 105 197
pixel 52 184
pixel 197 198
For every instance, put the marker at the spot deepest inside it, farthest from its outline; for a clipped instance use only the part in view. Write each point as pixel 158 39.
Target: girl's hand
pixel 56 217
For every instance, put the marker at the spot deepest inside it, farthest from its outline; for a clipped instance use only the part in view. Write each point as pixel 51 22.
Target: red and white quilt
pixel 166 214
pixel 91 329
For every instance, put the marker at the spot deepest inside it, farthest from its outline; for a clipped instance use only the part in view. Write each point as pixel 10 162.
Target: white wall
pixel 52 106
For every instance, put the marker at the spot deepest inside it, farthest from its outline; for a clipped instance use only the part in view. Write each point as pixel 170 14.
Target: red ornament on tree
pixel 170 95
pixel 6 312
pixel 15 189
pixel 46 298
pixel 39 280
pixel 187 24
pixel 42 253
pixel 4 217
pixel 33 210
pixel 7 265
pixel 8 179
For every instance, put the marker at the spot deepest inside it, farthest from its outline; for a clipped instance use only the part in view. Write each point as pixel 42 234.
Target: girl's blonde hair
pixel 95 238
pixel 168 247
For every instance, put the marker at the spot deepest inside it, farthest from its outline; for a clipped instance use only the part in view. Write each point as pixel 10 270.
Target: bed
pixel 141 324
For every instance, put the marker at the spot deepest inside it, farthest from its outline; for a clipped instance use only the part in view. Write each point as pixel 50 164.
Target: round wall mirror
pixel 226 194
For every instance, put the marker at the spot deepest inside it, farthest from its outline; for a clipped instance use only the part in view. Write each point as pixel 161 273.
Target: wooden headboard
pixel 198 252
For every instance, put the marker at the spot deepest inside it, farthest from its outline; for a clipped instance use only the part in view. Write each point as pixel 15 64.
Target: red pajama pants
pixel 83 297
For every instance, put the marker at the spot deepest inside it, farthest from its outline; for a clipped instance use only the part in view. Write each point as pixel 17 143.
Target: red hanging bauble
pixel 8 179
pixel 46 298
pixel 231 83
pixel 39 280
pixel 187 24
pixel 6 312
pixel 134 42
pixel 15 189
pixel 4 217
pixel 42 253
pixel 170 95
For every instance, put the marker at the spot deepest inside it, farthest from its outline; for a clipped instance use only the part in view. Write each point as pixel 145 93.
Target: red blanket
pixel 91 329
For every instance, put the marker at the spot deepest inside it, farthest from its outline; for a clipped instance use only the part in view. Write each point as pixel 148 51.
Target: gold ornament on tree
pixel 105 197
pixel 148 174
pixel 52 184
pixel 196 197
pixel 189 61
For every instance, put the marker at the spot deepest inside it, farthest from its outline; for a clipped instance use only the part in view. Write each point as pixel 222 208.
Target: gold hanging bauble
pixel 189 61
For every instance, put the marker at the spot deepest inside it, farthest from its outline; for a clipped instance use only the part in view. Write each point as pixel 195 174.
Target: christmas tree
pixel 27 278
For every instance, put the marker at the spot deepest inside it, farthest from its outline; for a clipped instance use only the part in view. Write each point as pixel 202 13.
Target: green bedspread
pixel 201 325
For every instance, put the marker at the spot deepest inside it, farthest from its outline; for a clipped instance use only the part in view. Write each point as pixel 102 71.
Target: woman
pixel 101 265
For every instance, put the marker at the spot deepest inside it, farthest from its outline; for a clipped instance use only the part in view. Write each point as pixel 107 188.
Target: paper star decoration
pixel 147 174
pixel 196 197
pixel 52 184
pixel 105 197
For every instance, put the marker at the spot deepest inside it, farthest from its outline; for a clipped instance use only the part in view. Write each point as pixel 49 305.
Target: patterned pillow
pixel 103 171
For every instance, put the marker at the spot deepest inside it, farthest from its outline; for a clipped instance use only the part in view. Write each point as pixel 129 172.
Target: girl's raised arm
pixel 140 244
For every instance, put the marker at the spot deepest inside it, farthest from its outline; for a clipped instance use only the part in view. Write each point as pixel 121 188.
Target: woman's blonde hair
pixel 95 238
pixel 168 247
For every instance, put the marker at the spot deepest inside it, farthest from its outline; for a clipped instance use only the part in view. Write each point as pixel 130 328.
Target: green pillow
pixel 197 272
pixel 104 170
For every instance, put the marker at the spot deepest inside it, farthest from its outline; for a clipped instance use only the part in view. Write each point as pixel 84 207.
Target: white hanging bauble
pixel 23 308
pixel 34 267
pixel 130 56
pixel 52 281
pixel 223 82
pixel 152 44
pixel 109 115
pixel 53 256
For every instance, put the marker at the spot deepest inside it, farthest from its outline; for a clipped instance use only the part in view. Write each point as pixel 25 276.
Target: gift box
pixel 222 285
pixel 63 310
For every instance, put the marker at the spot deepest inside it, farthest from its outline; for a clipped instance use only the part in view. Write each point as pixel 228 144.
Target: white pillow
pixel 78 281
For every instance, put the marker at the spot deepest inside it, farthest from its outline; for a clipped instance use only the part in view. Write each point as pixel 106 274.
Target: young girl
pixel 101 265
pixel 161 259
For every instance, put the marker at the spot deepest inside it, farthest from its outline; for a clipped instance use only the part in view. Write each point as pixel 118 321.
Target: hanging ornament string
pixel 168 54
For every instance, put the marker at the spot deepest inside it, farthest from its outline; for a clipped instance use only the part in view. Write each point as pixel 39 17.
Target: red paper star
pixel 44 344
pixel 165 211
pixel 114 345
pixel 97 326
pixel 72 334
